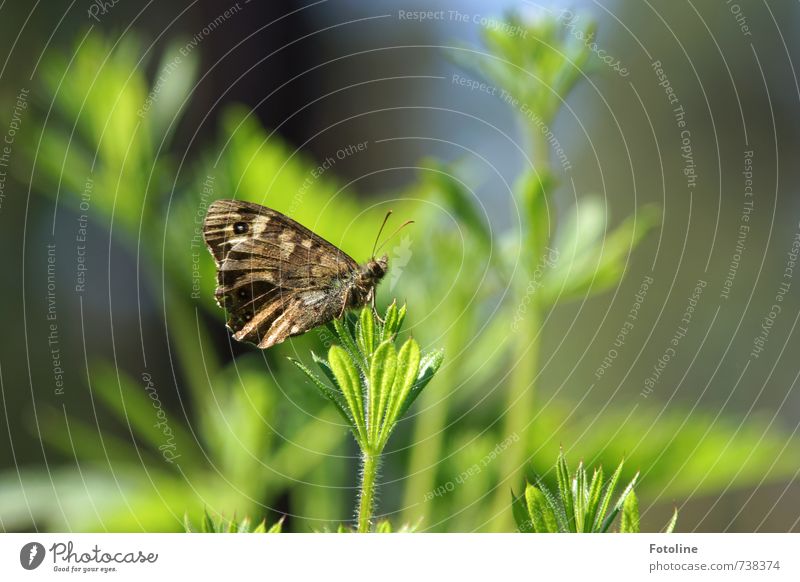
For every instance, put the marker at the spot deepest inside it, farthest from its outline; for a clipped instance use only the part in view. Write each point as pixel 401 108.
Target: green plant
pixel 580 504
pixel 562 258
pixel 381 526
pixel 229 457
pixel 219 524
pixel 245 443
pixel 372 384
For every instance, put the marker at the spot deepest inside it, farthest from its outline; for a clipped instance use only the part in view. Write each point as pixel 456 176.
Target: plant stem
pixel 521 395
pixel 519 406
pixel 369 472
pixel 539 150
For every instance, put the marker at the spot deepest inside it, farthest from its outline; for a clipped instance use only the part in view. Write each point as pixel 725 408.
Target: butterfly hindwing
pixel 275 278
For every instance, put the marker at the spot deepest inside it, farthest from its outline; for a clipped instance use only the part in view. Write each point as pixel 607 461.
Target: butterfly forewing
pixel 275 277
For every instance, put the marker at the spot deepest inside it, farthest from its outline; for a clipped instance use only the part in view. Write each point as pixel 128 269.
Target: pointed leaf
pixel 579 495
pixel 620 243
pixel 323 365
pixel 588 263
pixel 208 523
pixel 348 343
pixel 174 89
pixel 349 381
pixel 540 511
pixel 137 404
pixel 612 484
pixel 365 332
pixel 460 200
pixel 519 510
pixel 428 367
pixel 565 490
pixel 618 505
pixel 671 525
pixel 595 489
pixel 390 322
pixel 408 361
pixel 630 514
pixel 241 527
pixel 335 396
pixel 381 381
pixel 555 503
pixel 401 317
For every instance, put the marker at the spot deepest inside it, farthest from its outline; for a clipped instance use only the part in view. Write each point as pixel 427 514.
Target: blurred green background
pixel 546 184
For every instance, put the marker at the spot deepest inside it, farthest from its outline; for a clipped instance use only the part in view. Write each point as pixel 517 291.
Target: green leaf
pixel 384 526
pixel 401 317
pixel 630 514
pixel 671 525
pixel 365 332
pixel 538 66
pixel 391 322
pixel 349 344
pixel 208 525
pixel 219 524
pixel 579 495
pixel 618 505
pixel 348 379
pixel 459 200
pixel 565 490
pixel 609 492
pixel 541 513
pixel 612 259
pixel 335 396
pixel 408 362
pixel 242 526
pixel 428 367
pixel 557 506
pixel 521 516
pixel 323 365
pixel 589 263
pixel 680 447
pixel 381 381
pixel 595 489
pixel 232 424
pixel 577 241
pixel 72 436
pixel 174 89
pixel 138 405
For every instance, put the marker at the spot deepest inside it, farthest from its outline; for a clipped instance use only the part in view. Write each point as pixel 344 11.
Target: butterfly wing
pixel 275 277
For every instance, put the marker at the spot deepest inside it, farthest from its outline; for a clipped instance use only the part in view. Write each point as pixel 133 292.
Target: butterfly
pixel 276 278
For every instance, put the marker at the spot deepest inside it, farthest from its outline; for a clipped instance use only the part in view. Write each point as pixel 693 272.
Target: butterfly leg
pixel 374 309
pixel 344 304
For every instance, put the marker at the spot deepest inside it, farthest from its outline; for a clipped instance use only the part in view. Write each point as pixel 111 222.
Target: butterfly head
pixel 374 270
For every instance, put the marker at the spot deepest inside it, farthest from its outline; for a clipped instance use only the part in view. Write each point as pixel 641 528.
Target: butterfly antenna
pixel 385 220
pixel 391 236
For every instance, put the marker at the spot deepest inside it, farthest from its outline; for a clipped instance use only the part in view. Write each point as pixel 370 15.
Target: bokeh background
pixel 126 405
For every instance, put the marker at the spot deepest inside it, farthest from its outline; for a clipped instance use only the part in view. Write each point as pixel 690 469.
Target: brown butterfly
pixel 276 278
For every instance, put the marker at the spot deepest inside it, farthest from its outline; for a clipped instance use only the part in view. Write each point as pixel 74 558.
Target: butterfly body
pixel 276 278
